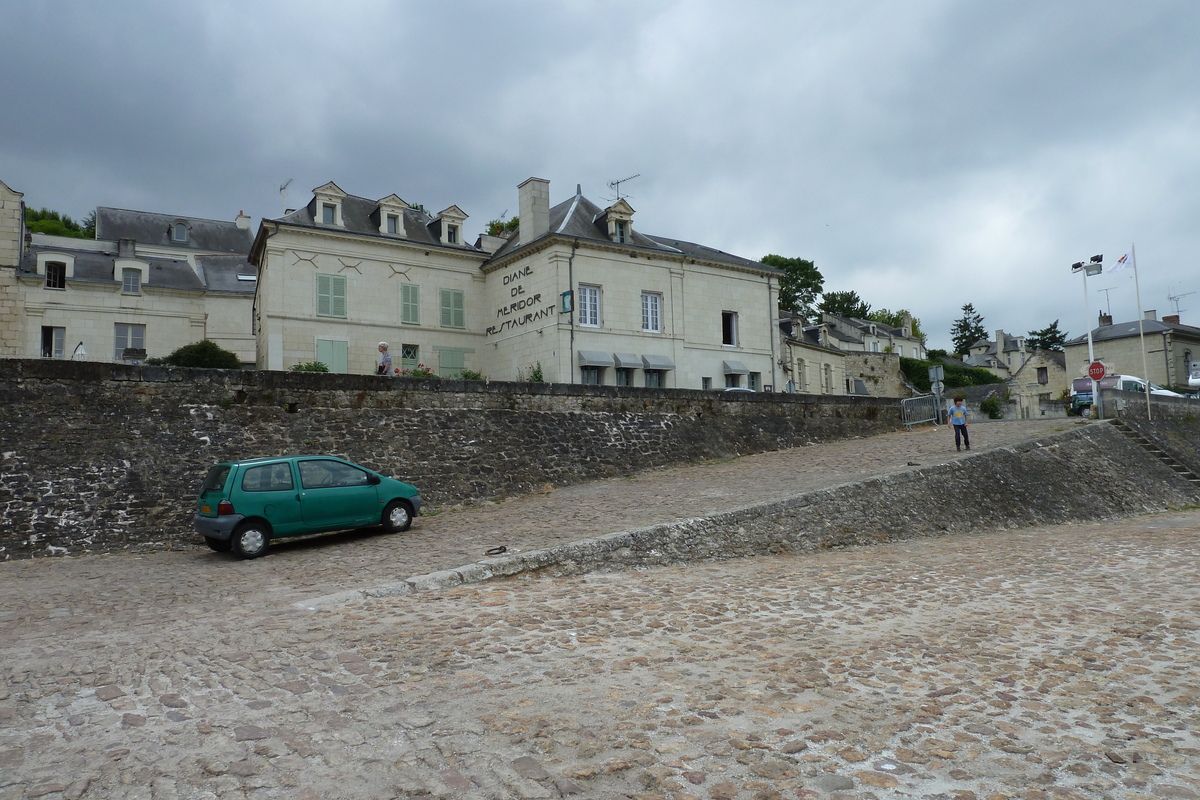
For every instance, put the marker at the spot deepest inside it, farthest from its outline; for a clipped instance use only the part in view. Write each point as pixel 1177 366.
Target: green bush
pixel 310 366
pixel 472 375
pixel 204 354
pixel 917 372
pixel 993 407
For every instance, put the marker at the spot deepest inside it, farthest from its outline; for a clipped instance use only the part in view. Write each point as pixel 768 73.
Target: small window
pixel 410 304
pixel 733 380
pixel 54 341
pixel 591 376
pixel 268 478
pixel 179 232
pixel 1043 375
pixel 452 234
pixel 328 214
pixel 651 312
pixel 56 275
pixel 706 384
pixel 622 231
pixel 589 306
pixel 131 280
pixel 453 313
pixel 410 356
pixel 131 337
pixel 729 328
pixel 624 376
pixel 393 223
pixel 654 379
pixel 754 381
pixel 331 296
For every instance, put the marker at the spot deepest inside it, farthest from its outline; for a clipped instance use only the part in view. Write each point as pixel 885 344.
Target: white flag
pixel 1121 263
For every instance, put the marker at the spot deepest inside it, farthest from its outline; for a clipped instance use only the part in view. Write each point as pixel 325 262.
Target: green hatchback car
pixel 245 504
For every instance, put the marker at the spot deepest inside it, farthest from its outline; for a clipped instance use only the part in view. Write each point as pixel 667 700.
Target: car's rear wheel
pixel 251 539
pixel 397 516
pixel 220 545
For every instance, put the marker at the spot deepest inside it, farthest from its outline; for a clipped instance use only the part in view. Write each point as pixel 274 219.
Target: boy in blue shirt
pixel 957 417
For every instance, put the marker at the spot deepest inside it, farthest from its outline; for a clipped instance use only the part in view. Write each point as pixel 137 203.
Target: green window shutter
pixel 453 315
pixel 331 296
pixel 410 303
pixel 334 354
pixel 451 362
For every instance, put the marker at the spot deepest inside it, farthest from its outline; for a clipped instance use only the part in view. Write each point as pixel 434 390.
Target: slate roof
pixel 1010 345
pixel 155 229
pixel 220 271
pixel 581 218
pixel 360 215
pixel 1123 330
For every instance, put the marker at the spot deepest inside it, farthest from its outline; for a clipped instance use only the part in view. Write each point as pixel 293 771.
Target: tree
pixel 43 220
pixel 967 330
pixel 1048 338
pixel 896 320
pixel 800 284
pixel 844 304
pixel 202 354
pixel 499 227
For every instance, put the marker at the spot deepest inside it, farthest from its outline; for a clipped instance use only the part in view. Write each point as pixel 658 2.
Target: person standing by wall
pixel 385 362
pixel 957 417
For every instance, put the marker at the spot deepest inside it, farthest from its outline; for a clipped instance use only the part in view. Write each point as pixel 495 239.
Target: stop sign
pixel 1096 370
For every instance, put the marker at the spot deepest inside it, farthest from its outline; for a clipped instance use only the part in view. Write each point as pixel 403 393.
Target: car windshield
pixel 215 480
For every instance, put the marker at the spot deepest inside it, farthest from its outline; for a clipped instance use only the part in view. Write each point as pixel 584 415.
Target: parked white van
pixel 1081 388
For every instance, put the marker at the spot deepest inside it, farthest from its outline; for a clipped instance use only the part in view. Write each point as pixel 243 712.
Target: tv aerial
pixel 616 185
pixel 283 193
pixel 1175 298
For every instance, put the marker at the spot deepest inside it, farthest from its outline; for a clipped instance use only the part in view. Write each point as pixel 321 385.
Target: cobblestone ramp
pixel 1094 472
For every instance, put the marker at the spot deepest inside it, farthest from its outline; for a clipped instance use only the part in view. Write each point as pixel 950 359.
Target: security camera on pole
pixel 1093 267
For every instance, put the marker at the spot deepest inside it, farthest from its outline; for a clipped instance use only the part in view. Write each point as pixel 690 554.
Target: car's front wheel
pixel 251 539
pixel 397 516
pixel 220 545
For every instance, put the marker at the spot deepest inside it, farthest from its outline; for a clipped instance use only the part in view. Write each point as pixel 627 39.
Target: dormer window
pixel 393 223
pixel 452 234
pixel 179 233
pixel 619 218
pixel 450 220
pixel 327 208
pixel 131 281
pixel 328 214
pixel 622 231
pixel 56 275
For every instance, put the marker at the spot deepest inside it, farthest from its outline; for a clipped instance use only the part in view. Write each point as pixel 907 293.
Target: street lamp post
pixel 1093 267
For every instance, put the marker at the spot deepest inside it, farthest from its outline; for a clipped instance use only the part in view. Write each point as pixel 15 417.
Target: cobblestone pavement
pixel 1043 664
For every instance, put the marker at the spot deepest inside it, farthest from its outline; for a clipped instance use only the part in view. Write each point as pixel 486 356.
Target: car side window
pixel 267 478
pixel 318 474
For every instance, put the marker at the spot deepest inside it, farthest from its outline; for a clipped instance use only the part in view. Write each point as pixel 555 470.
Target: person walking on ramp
pixel 957 417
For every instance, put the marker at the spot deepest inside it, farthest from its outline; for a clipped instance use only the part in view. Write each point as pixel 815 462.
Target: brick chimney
pixel 1172 319
pixel 534 207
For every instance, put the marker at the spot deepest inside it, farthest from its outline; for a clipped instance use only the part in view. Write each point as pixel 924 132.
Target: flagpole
pixel 1141 329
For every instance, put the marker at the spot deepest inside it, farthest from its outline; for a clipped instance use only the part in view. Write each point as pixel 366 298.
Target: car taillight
pixel 224 507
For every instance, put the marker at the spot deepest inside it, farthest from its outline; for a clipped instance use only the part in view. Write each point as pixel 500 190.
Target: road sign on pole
pixel 1096 370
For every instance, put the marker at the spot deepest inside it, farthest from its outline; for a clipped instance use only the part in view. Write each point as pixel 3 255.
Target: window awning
pixel 734 368
pixel 595 358
pixel 628 360
pixel 657 362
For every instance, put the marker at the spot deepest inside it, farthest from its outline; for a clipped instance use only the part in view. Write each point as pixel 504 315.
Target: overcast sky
pixel 926 153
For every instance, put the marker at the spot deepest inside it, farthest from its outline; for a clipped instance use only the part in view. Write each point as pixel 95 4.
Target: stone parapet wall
pixel 98 457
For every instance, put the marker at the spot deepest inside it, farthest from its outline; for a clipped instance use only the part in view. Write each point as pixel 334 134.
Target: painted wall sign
pixel 510 314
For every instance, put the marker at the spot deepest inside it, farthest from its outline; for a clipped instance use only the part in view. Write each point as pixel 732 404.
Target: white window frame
pixel 333 292
pixel 729 324
pixel 392 224
pixel 129 286
pixel 180 233
pixel 589 306
pixel 58 341
pixel 651 312
pixel 410 356
pixel 128 335
pixel 59 280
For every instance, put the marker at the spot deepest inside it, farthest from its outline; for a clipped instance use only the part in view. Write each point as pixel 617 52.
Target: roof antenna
pixel 1175 298
pixel 616 185
pixel 283 194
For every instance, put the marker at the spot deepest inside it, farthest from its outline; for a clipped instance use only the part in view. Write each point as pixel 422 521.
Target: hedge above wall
pixel 108 457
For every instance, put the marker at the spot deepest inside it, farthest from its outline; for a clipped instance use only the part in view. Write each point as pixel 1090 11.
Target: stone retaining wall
pixel 108 457
pixel 1084 475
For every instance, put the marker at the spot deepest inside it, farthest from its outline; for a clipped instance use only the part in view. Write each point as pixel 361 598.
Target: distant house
pixel 868 336
pixel 1037 385
pixel 809 366
pixel 1003 356
pixel 147 285
pixel 1168 348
